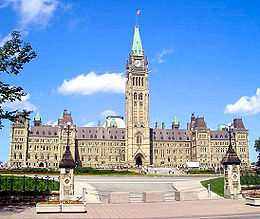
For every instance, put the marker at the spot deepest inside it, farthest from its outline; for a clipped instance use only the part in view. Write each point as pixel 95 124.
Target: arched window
pixel 14 155
pixel 133 81
pixel 56 157
pixel 139 80
pixel 37 133
pixel 43 133
pixel 42 157
pixel 139 139
pixel 135 96
pixel 140 96
pixel 49 133
pixel 36 156
pixel 136 82
pixel 142 81
pixel 20 156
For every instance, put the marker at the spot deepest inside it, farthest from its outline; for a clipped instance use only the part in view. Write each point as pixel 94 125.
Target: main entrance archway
pixel 138 161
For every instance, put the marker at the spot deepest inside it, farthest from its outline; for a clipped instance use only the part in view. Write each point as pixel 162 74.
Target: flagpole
pixel 136 19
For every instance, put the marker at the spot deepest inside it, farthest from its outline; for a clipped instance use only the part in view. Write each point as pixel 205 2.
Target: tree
pixel 13 55
pixel 257 148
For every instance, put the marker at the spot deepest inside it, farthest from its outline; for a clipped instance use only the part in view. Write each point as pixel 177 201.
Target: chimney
pixel 163 126
pixel 156 125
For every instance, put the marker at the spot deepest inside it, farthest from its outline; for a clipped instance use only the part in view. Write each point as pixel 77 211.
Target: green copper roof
pixel 137 44
pixel 37 117
pixel 220 127
pixel 113 123
pixel 175 121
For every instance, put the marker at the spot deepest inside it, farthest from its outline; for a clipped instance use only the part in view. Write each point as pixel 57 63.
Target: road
pixel 134 185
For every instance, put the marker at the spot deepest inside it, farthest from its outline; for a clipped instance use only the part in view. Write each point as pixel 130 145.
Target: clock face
pixel 138 63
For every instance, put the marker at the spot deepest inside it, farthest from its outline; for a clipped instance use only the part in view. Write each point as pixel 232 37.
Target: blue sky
pixel 203 57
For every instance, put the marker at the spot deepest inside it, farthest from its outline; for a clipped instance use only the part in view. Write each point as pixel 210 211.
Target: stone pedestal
pixel 66 184
pixel 232 187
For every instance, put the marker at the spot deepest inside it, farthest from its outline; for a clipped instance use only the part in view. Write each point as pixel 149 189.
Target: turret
pixel 37 120
pixel 175 124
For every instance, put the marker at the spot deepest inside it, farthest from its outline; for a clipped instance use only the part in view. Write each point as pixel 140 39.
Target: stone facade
pixel 135 144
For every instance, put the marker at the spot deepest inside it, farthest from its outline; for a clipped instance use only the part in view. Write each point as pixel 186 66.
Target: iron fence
pixel 11 183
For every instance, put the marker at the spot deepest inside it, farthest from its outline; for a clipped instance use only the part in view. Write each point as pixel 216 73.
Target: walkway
pixel 185 209
pixel 195 185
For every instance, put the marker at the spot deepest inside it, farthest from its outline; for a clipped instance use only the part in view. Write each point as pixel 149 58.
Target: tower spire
pixel 137 49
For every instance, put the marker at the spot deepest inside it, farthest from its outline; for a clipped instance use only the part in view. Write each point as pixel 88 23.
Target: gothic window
pixel 139 139
pixel 140 96
pixel 48 156
pixel 135 103
pixel 133 81
pixel 95 136
pixel 20 156
pixel 135 96
pixel 49 133
pixel 139 80
pixel 142 82
pixel 136 82
pixel 42 157
pixel 91 136
pixel 43 133
pixel 37 133
pixel 14 155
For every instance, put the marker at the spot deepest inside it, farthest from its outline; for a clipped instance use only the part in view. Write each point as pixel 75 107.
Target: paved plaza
pixel 184 209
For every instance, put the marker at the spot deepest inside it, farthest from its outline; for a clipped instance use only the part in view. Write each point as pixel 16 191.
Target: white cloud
pixel 36 12
pixel 108 113
pixel 245 105
pixel 20 105
pixel 52 123
pixel 91 83
pixel 91 124
pixel 160 56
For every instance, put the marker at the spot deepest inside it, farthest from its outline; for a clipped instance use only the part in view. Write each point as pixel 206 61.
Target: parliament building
pixel 119 144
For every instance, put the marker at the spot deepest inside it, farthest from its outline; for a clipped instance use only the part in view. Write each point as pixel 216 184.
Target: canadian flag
pixel 138 12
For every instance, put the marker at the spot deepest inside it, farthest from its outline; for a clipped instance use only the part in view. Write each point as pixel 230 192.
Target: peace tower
pixel 137 105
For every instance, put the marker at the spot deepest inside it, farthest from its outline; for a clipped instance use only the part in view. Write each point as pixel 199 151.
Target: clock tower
pixel 137 105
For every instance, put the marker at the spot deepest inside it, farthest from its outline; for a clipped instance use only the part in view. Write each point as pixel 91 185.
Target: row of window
pixel 138 81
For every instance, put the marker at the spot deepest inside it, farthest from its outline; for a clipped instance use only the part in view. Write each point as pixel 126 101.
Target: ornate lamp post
pixel 67 166
pixel 231 162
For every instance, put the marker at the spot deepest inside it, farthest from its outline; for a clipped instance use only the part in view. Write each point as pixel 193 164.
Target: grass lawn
pixel 216 185
pixel 21 183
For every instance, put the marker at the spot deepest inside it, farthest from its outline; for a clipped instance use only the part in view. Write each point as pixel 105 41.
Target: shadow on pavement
pixel 12 209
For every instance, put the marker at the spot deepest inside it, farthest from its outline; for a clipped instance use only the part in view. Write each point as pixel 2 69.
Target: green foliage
pixel 21 183
pixel 13 55
pixel 250 179
pixel 257 149
pixel 195 171
pixel 91 170
pixel 216 185
pixel 37 170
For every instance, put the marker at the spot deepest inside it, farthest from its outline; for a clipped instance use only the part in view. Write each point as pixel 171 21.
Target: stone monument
pixel 231 163
pixel 67 166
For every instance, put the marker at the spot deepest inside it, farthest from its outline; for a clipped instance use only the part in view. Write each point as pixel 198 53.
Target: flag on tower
pixel 138 12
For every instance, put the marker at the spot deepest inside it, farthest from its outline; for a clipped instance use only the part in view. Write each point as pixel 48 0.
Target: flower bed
pixel 58 207
pixel 73 206
pixel 48 207
pixel 253 200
